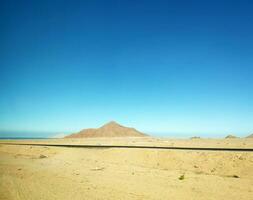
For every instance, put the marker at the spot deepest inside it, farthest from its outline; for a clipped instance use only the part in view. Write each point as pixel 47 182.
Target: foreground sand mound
pixel 111 129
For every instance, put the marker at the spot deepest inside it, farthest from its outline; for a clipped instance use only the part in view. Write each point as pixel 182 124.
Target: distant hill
pixel 60 135
pixel 231 137
pixel 111 129
pixel 250 136
pixel 195 137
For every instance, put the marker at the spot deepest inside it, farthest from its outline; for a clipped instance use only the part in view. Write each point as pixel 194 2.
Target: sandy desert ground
pixel 37 172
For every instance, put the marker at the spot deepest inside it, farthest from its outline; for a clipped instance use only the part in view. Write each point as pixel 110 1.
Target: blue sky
pixel 170 68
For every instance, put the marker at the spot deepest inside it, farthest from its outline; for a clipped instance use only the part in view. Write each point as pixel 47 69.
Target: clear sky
pixel 164 67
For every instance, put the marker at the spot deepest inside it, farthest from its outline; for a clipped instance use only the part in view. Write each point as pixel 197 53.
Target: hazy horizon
pixel 169 134
pixel 161 67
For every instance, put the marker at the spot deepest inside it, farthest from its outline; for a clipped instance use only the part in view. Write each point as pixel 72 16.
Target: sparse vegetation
pixel 234 176
pixel 42 156
pixel 181 177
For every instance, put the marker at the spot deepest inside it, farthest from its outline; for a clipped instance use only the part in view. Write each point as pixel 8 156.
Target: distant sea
pixel 25 135
pixel 21 138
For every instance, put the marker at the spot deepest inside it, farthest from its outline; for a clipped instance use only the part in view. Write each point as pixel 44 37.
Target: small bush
pixel 42 156
pixel 181 177
pixel 233 176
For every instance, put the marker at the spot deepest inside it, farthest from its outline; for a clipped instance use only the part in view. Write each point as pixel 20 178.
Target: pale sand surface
pixel 106 173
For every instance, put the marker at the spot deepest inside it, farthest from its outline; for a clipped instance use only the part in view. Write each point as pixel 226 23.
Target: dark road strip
pixel 137 147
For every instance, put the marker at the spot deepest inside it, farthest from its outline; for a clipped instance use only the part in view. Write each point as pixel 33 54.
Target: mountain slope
pixel 250 136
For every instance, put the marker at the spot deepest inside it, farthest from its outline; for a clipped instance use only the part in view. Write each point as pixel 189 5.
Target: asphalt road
pixel 136 147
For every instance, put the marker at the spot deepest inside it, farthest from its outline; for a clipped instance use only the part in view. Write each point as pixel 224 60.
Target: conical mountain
pixel 111 124
pixel 111 129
